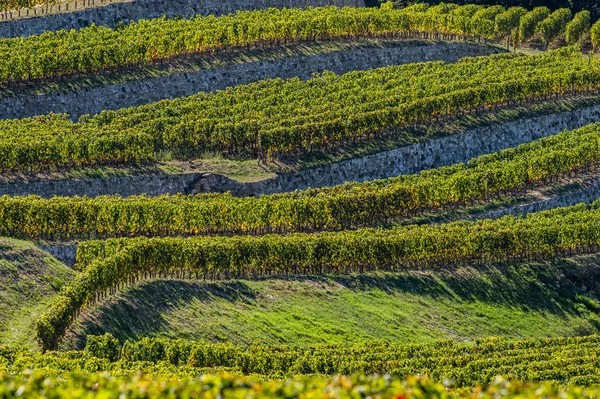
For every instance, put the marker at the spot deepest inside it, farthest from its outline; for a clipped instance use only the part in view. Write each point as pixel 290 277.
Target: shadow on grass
pixel 545 287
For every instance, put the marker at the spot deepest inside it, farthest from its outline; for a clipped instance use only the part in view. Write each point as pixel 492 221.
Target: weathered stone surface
pixel 125 186
pixel 110 14
pixel 94 100
pixel 442 151
pixel 586 195
pixel 67 254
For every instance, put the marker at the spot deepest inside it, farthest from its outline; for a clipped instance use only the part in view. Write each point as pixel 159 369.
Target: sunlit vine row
pixel 540 235
pixel 274 116
pixel 341 207
pixel 96 49
pixel 563 360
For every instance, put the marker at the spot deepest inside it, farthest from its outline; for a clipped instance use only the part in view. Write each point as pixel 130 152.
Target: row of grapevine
pixel 565 360
pixel 276 116
pixel 595 34
pixel 341 207
pixel 554 24
pixel 509 22
pixel 42 384
pixel 529 22
pixel 95 49
pixel 539 235
pixel 579 26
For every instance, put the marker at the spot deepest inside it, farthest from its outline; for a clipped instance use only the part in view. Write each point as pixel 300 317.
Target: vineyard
pixel 275 117
pixel 224 385
pixel 475 279
pixel 61 53
pixel 493 176
pixel 572 360
pixel 563 231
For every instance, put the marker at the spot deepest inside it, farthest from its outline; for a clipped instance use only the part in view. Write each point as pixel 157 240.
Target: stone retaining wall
pixel 434 153
pixel 65 253
pixel 94 100
pixel 125 186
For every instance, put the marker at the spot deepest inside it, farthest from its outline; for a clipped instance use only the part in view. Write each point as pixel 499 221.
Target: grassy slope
pixel 526 301
pixel 29 277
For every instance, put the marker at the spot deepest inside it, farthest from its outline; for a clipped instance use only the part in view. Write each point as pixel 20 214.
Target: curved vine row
pixel 97 48
pixel 542 235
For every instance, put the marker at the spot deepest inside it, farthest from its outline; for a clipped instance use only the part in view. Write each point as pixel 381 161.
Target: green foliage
pixel 465 365
pixel 529 22
pixel 461 19
pixel 579 26
pixel 574 5
pixel 562 360
pixel 539 235
pixel 95 49
pixel 276 117
pixel 331 208
pixel 509 20
pixel 103 346
pixel 595 33
pixel 554 24
pixel 484 21
pixel 38 385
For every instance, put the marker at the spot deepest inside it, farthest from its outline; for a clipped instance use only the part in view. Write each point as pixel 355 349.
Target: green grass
pixel 29 278
pixel 524 301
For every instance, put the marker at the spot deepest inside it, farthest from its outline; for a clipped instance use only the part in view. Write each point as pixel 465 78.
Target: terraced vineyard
pixel 474 275
pixel 483 179
pixel 272 118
